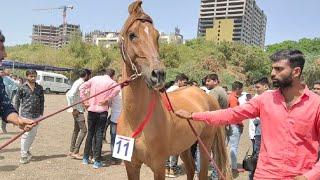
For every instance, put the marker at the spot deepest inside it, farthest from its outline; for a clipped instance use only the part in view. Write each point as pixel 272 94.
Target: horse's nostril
pixel 154 73
pixel 158 73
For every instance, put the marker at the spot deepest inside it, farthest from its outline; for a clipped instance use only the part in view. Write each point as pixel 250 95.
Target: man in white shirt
pixel 80 129
pixel 181 80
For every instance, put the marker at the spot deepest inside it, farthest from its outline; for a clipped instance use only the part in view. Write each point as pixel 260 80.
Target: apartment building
pixel 232 21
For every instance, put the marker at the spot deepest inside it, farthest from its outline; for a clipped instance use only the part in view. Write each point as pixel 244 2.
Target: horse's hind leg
pixel 204 159
pixel 188 163
pixel 133 170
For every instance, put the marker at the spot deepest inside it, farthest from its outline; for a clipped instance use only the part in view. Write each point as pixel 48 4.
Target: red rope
pixel 213 163
pixel 124 83
pixel 147 118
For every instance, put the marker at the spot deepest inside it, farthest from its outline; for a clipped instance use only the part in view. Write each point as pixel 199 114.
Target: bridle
pixel 124 53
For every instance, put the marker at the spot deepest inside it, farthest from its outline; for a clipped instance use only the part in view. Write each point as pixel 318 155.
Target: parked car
pixel 53 82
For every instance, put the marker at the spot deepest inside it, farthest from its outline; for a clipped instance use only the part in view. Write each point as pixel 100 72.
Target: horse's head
pixel 140 48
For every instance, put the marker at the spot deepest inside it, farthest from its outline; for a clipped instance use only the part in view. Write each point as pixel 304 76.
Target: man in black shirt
pixel 30 102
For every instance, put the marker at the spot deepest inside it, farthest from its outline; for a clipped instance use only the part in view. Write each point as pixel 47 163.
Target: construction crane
pixel 64 11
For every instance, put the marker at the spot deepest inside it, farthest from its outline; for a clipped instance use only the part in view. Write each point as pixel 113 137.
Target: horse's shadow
pixel 107 158
pixel 8 168
pixel 46 157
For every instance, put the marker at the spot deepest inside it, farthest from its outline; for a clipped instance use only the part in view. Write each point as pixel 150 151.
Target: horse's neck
pixel 136 99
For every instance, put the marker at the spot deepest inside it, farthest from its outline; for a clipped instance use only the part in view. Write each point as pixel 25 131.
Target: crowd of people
pixel 284 121
pixel 286 139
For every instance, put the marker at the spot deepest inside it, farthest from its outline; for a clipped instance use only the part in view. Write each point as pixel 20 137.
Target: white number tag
pixel 123 148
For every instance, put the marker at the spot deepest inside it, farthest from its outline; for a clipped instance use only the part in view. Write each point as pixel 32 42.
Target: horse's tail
pixel 220 154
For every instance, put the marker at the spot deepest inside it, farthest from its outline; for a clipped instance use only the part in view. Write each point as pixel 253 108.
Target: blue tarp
pixel 19 65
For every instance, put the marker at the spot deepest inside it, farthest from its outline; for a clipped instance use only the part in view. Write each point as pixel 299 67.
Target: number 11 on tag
pixel 123 148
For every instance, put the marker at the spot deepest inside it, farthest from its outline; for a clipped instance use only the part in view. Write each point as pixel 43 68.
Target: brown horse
pixel 165 134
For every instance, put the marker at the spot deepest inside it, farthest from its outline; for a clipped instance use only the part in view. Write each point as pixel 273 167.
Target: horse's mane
pixel 136 13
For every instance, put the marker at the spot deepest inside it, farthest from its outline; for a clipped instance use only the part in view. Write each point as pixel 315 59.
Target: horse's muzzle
pixel 158 77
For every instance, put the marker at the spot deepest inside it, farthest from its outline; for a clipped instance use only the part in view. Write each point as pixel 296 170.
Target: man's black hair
pixel 110 72
pixel 294 56
pixel 316 82
pixel 237 85
pixel 101 72
pixel 263 81
pixel 181 77
pixel 213 76
pixel 31 71
pixel 88 71
pixel 82 73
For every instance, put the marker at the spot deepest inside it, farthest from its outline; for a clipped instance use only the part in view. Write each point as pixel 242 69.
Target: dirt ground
pixel 52 143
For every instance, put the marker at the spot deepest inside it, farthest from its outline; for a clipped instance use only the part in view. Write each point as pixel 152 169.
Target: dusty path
pixel 51 144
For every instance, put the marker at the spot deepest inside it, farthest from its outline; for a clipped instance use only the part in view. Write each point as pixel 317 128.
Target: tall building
pixel 232 20
pixel 54 36
pixel 102 38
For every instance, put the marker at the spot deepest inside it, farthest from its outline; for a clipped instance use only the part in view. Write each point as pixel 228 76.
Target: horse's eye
pixel 132 36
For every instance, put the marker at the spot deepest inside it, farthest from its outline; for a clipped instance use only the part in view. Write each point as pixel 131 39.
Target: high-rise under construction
pixel 54 36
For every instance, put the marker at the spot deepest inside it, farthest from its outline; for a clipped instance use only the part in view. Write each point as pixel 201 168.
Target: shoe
pixel 29 155
pixel 76 156
pixel 85 161
pixel 24 160
pixel 92 160
pixel 196 176
pixel 173 173
pixel 97 164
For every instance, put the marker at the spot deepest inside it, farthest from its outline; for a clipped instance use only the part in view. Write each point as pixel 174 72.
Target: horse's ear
pixel 135 7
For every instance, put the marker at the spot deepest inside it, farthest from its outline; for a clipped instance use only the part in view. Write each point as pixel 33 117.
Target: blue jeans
pixel 234 138
pixel 96 124
pixel 214 174
pixel 198 160
pixel 172 162
pixel 113 133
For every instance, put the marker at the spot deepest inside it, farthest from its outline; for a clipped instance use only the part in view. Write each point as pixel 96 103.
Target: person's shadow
pixel 8 168
pixel 4 138
pixel 9 150
pixel 45 157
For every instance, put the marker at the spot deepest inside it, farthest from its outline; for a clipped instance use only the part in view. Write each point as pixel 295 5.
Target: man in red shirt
pixel 290 122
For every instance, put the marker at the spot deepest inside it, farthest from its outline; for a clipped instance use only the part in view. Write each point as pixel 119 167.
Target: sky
pixel 287 19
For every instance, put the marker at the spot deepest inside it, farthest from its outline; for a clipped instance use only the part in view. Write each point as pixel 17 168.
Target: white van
pixel 53 82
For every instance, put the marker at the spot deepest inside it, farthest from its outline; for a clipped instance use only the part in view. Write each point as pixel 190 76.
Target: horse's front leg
pixel 158 168
pixel 159 173
pixel 133 170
